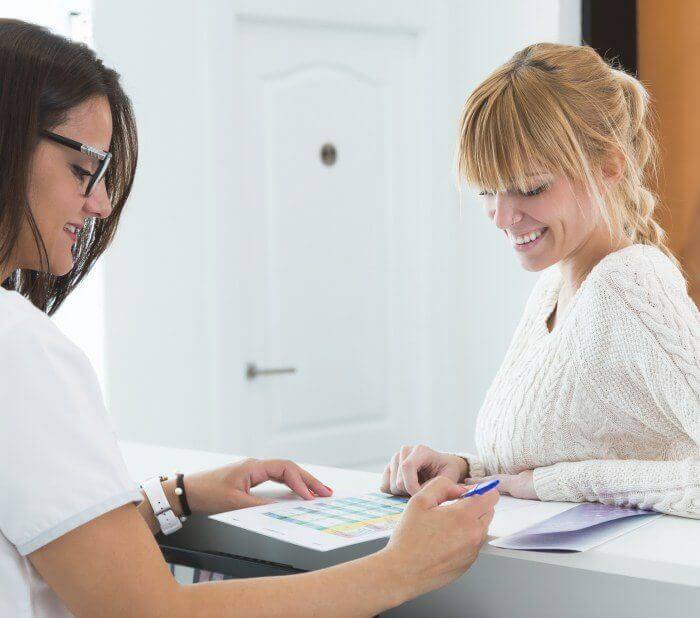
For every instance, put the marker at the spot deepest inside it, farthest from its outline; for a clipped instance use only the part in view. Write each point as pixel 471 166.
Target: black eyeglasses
pixel 103 157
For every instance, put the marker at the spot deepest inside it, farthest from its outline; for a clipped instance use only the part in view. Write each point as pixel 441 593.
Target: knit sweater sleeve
pixel 476 469
pixel 653 331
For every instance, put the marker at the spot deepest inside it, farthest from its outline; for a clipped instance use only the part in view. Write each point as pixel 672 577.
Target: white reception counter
pixel 651 571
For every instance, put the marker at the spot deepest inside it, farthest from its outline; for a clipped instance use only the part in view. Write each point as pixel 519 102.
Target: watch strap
pixel 168 521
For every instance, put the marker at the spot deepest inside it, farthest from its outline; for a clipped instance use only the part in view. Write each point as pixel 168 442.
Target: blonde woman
pixel 598 397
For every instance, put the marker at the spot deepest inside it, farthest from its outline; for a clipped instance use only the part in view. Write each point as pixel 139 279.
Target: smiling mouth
pixel 529 238
pixel 72 231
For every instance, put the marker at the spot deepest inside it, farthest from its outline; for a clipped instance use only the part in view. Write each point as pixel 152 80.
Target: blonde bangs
pixel 562 110
pixel 507 136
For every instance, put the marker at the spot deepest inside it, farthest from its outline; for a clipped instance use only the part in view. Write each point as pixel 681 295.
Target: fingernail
pixel 328 488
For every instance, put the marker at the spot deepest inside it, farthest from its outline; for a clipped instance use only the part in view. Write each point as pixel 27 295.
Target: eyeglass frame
pixel 103 157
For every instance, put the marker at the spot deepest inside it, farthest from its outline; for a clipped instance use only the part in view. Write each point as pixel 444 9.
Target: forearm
pixel 364 587
pixel 671 487
pixel 374 582
pixel 147 512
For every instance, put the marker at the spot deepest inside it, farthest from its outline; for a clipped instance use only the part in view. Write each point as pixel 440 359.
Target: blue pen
pixel 481 488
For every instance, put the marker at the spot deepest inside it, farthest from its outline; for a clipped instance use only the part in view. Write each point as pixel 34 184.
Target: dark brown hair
pixel 43 76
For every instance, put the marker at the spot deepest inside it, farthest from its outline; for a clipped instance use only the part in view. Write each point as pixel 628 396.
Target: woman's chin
pixel 537 263
pixel 62 267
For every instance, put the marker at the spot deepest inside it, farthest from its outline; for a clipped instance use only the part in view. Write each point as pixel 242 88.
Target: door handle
pixel 252 371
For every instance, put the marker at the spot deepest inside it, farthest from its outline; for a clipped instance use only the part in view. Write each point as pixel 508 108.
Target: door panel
pixel 328 248
pixel 331 282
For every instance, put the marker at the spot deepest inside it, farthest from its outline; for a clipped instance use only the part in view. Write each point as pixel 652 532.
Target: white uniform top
pixel 60 465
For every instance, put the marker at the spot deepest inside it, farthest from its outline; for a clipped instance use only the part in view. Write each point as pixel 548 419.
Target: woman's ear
pixel 614 167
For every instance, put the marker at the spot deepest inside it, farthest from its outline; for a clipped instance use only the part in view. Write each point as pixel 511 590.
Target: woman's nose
pixel 504 215
pixel 98 203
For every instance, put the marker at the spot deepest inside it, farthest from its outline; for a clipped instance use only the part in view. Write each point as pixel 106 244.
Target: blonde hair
pixel 562 109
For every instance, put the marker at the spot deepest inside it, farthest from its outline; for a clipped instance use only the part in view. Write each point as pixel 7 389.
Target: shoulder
pixel 639 299
pixel 36 353
pixel 26 331
pixel 641 268
pixel 14 308
pixel 642 281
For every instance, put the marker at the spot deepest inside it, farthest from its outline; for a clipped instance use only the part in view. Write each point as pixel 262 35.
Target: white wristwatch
pixel 169 522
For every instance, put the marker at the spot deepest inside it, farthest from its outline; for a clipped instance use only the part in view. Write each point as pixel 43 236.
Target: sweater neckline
pixel 551 295
pixel 549 301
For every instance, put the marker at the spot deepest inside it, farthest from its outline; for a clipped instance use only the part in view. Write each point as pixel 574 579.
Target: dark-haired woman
pixel 76 532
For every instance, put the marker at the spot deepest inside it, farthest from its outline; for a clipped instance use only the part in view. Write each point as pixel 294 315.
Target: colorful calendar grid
pixel 346 517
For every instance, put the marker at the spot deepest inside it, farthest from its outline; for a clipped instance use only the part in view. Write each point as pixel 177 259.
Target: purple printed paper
pixel 577 529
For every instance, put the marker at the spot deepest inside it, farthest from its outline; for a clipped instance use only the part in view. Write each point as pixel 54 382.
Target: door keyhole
pixel 328 154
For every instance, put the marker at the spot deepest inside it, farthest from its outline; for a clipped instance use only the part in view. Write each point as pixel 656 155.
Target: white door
pixel 242 244
pixel 331 228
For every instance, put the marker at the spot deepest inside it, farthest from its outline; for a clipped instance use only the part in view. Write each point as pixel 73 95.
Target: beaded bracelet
pixel 180 492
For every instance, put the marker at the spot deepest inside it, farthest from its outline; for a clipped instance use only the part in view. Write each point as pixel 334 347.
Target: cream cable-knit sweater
pixel 606 407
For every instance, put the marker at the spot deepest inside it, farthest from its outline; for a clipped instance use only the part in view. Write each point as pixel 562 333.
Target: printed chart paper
pixel 323 524
pixel 577 529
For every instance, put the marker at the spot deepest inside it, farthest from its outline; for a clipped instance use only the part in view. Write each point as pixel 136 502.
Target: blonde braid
pixel 640 201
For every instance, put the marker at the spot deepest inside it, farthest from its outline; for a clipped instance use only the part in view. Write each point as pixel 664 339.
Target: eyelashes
pixel 536 191
pixel 80 172
pixel 531 193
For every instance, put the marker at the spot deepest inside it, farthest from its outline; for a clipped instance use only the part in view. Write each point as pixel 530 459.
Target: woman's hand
pixel 414 465
pixel 228 488
pixel 515 485
pixel 434 544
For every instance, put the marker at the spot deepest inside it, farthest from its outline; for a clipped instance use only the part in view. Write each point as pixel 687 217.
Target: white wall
pixel 55 14
pixel 159 269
